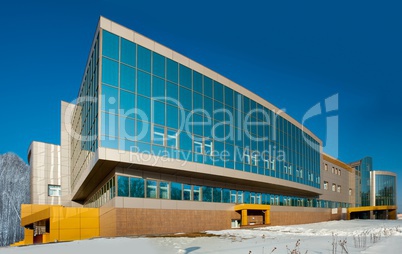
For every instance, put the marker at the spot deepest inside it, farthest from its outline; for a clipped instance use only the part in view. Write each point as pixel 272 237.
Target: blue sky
pixel 295 54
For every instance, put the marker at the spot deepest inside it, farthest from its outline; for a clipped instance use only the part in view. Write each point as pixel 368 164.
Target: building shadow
pixel 191 249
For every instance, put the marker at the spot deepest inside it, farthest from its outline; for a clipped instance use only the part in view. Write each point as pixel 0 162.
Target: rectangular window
pixel 196 193
pixel 333 170
pixel 123 186
pixel 176 191
pixel 198 145
pixel 151 189
pixel 258 198
pixel 350 192
pixel 252 198
pixel 333 187
pixel 246 197
pixel 164 190
pixel 325 185
pixel 208 147
pixel 217 195
pixel 186 192
pixel 197 82
pixel 339 189
pixel 144 59
pixel 254 159
pixel 158 136
pixel 127 78
pixel 233 196
pixel 240 197
pixel 172 116
pixel 128 52
pixel 206 194
pixel 272 164
pixel 185 76
pixel 110 45
pixel 144 84
pixel 158 65
pixel 137 187
pixel 54 190
pixel 326 167
pixel 171 139
pixel 226 196
pixel 208 87
pixel 172 71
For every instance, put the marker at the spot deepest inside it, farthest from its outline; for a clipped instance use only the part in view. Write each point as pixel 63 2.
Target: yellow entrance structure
pixel 245 208
pixel 387 212
pixel 54 223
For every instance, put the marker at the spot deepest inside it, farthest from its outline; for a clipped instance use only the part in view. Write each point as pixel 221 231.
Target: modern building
pixel 157 143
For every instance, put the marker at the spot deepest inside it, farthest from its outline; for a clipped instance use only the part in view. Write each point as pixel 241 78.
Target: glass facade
pixel 84 127
pixel 363 170
pixel 385 190
pixel 160 189
pixel 152 104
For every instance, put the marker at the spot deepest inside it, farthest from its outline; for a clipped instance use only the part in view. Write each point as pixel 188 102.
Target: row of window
pixel 335 188
pixel 167 141
pixel 134 77
pixel 85 118
pixel 150 188
pixel 336 171
pixel 126 52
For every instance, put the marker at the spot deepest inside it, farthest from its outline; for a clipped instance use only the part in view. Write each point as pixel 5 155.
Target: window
pixel 217 195
pixel 151 189
pixel 144 59
pixel 254 158
pixel 208 146
pixel 339 172
pixel 333 187
pixel 137 187
pixel 326 167
pixel 333 170
pixel 198 145
pixel 158 136
pixel 325 185
pixel 246 197
pixel 206 194
pixel 350 192
pixel 339 189
pixel 171 138
pixel 203 145
pixel 336 171
pixel 252 198
pixel 186 192
pixel 196 193
pixel 258 198
pixel 144 84
pixel 233 195
pixel 176 191
pixel 122 185
pixel 240 197
pixel 164 190
pixel 226 196
pixel 54 190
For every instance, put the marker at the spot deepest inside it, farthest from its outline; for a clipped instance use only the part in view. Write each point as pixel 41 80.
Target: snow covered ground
pixel 361 236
